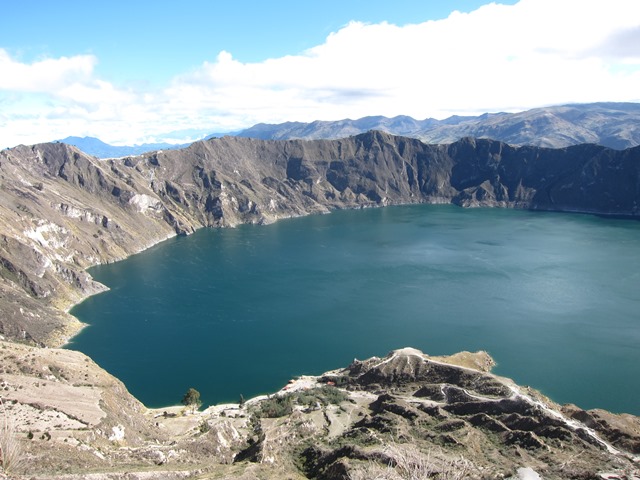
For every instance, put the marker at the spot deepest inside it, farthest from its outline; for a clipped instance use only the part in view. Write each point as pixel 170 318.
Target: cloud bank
pixel 496 58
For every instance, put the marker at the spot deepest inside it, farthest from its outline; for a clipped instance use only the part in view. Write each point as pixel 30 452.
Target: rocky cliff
pixel 63 211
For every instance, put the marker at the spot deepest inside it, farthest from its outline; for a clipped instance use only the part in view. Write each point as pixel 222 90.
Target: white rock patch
pixel 118 434
pixel 526 473
pixel 144 202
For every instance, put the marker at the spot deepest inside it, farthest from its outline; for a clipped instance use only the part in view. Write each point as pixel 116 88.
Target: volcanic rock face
pixel 63 211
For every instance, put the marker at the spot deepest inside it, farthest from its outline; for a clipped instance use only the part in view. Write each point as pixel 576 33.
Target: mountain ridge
pixel 96 147
pixel 63 211
pixel 614 125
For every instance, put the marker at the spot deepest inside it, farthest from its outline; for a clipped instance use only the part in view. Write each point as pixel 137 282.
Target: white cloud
pixel 537 52
pixel 46 75
pixel 497 58
pixel 54 98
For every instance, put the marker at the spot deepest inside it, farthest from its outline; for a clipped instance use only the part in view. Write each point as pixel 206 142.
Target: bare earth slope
pixel 404 416
pixel 62 211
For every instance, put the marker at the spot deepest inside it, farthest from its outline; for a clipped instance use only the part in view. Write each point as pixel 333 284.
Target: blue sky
pixel 131 38
pixel 137 71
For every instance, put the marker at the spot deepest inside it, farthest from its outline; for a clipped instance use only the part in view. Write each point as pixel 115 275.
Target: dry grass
pixel 408 463
pixel 11 454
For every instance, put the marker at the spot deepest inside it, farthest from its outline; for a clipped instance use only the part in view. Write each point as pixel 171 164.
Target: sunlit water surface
pixel 554 298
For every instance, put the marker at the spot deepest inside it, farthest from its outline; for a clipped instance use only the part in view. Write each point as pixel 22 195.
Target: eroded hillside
pixel 404 416
pixel 63 211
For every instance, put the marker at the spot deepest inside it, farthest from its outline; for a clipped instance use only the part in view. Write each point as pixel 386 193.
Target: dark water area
pixel 554 298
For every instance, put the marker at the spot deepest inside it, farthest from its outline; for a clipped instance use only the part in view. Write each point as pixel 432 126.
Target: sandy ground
pixel 45 404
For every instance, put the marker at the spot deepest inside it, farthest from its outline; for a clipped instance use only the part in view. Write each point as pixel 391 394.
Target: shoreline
pixel 427 200
pixel 105 288
pixel 69 343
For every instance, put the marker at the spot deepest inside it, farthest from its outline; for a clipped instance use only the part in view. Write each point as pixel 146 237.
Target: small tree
pixel 192 400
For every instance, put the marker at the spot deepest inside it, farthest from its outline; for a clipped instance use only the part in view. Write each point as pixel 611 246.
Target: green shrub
pixel 204 426
pixel 325 395
pixel 279 406
pixel 275 407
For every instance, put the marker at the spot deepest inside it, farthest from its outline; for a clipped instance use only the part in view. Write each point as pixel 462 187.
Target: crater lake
pixel 553 297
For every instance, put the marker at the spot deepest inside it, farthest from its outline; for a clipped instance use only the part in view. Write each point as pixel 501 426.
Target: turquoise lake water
pixel 554 298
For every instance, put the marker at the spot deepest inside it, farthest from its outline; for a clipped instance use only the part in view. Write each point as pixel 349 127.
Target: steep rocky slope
pixel 63 211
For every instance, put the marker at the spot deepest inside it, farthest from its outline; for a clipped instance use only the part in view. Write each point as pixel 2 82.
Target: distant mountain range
pixel 98 148
pixel 614 125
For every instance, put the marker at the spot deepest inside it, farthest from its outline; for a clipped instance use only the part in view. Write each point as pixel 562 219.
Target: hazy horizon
pixel 162 72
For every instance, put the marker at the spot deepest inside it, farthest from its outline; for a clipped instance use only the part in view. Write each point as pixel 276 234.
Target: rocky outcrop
pixel 428 416
pixel 63 211
pixel 404 416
